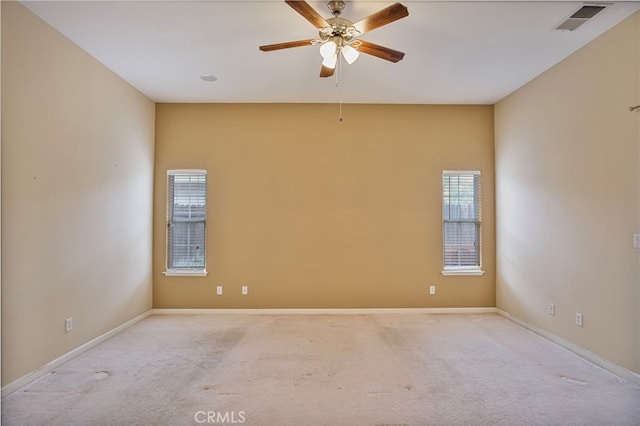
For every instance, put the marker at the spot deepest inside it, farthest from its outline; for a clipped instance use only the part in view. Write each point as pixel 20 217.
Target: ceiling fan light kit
pixel 329 51
pixel 338 36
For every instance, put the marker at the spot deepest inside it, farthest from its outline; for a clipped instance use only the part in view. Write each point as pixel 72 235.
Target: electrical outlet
pixel 68 325
pixel 432 289
pixel 579 319
pixel 551 309
pixel 219 290
pixel 245 290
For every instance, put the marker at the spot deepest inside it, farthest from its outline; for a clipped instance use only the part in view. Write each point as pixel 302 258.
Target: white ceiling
pixel 472 52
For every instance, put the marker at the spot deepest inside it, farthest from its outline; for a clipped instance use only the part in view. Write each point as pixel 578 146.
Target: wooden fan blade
pixel 287 45
pixel 380 51
pixel 383 17
pixel 326 72
pixel 308 12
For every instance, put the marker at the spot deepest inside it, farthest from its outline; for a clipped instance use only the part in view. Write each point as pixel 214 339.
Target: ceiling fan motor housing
pixel 339 27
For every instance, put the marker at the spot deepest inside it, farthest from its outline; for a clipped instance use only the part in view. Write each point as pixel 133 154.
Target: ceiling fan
pixel 340 36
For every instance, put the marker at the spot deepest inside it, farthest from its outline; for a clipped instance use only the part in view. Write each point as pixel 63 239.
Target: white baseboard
pixel 323 311
pixel 52 365
pixel 619 371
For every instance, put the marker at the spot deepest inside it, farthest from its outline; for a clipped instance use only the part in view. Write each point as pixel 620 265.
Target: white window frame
pixel 172 272
pixel 460 269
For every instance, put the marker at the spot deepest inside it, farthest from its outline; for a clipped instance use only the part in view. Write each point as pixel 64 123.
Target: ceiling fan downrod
pixel 335 7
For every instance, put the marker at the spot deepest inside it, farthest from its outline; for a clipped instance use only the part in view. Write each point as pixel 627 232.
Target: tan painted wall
pixel 0 205
pixel 313 213
pixel 568 197
pixel 77 176
pixel 638 188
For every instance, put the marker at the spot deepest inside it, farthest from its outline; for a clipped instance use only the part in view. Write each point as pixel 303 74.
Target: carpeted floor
pixel 375 370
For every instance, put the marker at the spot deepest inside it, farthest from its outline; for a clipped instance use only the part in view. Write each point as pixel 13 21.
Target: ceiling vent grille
pixel 581 16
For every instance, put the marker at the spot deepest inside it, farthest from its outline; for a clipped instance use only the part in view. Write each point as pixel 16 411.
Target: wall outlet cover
pixel 551 309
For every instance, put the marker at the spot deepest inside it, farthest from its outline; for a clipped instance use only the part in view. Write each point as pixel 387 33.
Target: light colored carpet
pixel 387 369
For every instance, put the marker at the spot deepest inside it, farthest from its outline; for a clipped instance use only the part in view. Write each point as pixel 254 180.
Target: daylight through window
pixel 462 220
pixel 186 220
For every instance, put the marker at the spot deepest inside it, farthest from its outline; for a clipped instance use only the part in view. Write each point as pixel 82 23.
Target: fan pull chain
pixel 339 86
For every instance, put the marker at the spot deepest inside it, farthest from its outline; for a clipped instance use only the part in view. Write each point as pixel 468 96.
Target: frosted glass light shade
pixel 350 54
pixel 328 49
pixel 330 62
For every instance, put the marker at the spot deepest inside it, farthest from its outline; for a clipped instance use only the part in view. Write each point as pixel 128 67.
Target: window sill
pixel 462 272
pixel 186 273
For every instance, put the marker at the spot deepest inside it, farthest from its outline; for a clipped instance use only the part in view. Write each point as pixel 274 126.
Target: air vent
pixel 581 16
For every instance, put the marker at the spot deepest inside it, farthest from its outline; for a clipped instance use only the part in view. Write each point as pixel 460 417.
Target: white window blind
pixel 186 220
pixel 462 220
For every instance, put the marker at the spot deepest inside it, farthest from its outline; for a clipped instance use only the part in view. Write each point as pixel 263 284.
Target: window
pixel 462 223
pixel 186 222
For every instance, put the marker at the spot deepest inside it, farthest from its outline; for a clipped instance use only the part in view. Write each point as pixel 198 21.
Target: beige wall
pixel 313 213
pixel 637 113
pixel 77 176
pixel 568 197
pixel 0 205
